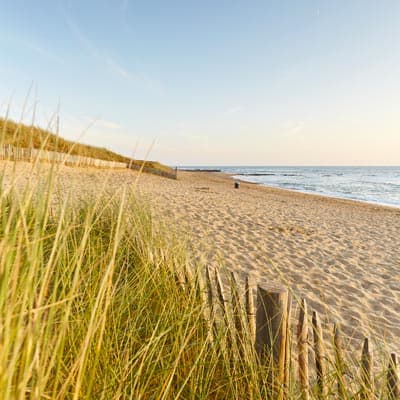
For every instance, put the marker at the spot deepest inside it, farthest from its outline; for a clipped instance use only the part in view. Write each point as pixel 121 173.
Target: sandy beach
pixel 341 255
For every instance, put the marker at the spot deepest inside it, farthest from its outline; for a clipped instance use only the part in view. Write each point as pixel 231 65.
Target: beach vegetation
pixel 99 300
pixel 32 136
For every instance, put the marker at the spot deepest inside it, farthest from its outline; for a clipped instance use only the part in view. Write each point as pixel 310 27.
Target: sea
pixel 377 185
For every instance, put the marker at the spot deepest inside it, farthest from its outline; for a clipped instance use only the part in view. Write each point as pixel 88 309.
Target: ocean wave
pixel 377 185
pixel 255 174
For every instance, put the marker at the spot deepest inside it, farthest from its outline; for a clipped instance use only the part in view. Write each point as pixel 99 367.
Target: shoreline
pixel 316 194
pixel 240 177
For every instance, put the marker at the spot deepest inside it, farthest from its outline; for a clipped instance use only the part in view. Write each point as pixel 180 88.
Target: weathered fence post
pixel 272 335
pixel 319 352
pixel 393 379
pixel 367 382
pixel 250 310
pixel 302 345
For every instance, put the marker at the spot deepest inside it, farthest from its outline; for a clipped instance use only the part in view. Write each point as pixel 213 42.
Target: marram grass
pixel 91 307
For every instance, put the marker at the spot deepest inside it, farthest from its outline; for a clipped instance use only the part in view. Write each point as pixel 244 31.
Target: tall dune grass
pixel 91 307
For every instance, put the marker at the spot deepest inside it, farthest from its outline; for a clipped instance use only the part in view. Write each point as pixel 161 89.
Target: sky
pixel 227 82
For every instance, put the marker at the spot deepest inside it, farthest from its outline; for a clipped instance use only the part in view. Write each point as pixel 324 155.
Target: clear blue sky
pixel 211 82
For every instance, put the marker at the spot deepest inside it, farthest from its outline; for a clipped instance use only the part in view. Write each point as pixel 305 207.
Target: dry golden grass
pixel 21 135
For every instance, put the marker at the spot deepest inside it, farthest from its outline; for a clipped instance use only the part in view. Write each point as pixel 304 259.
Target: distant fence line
pixel 10 152
pixel 265 326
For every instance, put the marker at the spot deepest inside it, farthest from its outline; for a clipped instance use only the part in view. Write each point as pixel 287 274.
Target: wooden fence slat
pixel 393 384
pixel 209 291
pixel 180 278
pixel 212 328
pixel 189 278
pixel 319 353
pixel 339 360
pixel 288 350
pixel 302 345
pixel 226 317
pixel 200 287
pixel 237 311
pixel 220 293
pixel 367 380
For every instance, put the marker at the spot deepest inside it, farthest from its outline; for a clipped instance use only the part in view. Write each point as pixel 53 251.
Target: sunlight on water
pixel 379 185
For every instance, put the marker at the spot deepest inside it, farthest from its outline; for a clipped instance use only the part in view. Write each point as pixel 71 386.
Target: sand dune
pixel 343 256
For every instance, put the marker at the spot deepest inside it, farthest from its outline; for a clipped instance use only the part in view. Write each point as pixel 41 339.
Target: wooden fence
pixel 9 152
pixel 265 324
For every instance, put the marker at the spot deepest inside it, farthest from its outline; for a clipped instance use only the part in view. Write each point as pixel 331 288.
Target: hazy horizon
pixel 287 165
pixel 308 83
